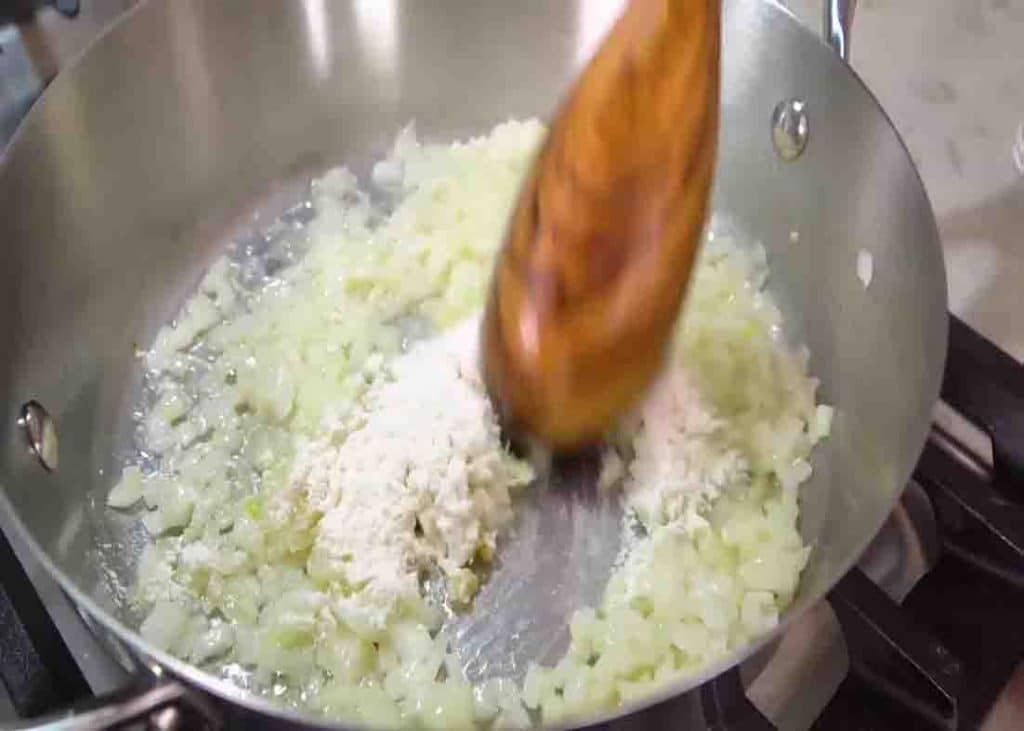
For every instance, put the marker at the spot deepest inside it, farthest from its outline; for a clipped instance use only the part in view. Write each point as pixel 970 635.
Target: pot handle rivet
pixel 790 128
pixel 40 433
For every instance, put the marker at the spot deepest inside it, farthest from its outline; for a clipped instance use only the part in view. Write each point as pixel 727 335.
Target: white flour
pixel 682 456
pixel 419 476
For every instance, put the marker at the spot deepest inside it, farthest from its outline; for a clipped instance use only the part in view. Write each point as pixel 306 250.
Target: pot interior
pixel 193 123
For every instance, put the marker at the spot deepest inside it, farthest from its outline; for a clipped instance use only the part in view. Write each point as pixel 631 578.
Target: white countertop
pixel 950 74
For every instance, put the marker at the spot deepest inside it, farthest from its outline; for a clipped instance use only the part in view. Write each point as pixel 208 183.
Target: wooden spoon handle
pixel 599 249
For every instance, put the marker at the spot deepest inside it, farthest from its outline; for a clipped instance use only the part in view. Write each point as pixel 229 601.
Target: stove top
pixel 924 633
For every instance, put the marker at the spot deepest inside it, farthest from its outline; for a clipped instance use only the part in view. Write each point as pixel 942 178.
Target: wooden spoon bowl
pixel 599 250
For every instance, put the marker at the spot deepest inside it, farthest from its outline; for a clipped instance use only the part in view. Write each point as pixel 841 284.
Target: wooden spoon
pixel 601 243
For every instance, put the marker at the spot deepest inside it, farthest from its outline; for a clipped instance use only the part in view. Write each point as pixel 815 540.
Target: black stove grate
pixel 958 636
pixel 35 665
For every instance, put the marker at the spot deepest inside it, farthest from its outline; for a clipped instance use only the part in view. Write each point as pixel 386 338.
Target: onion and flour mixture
pixel 419 478
pixel 316 448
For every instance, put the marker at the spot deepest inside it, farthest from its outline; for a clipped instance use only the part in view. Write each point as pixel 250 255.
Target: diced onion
pixel 260 364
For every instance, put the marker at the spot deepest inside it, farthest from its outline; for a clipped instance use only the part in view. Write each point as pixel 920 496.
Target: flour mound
pixel 414 475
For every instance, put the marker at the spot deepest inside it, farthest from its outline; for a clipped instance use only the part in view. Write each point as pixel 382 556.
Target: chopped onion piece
pixel 128 490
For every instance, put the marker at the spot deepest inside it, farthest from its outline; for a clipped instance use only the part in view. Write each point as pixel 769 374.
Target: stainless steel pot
pixel 118 187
